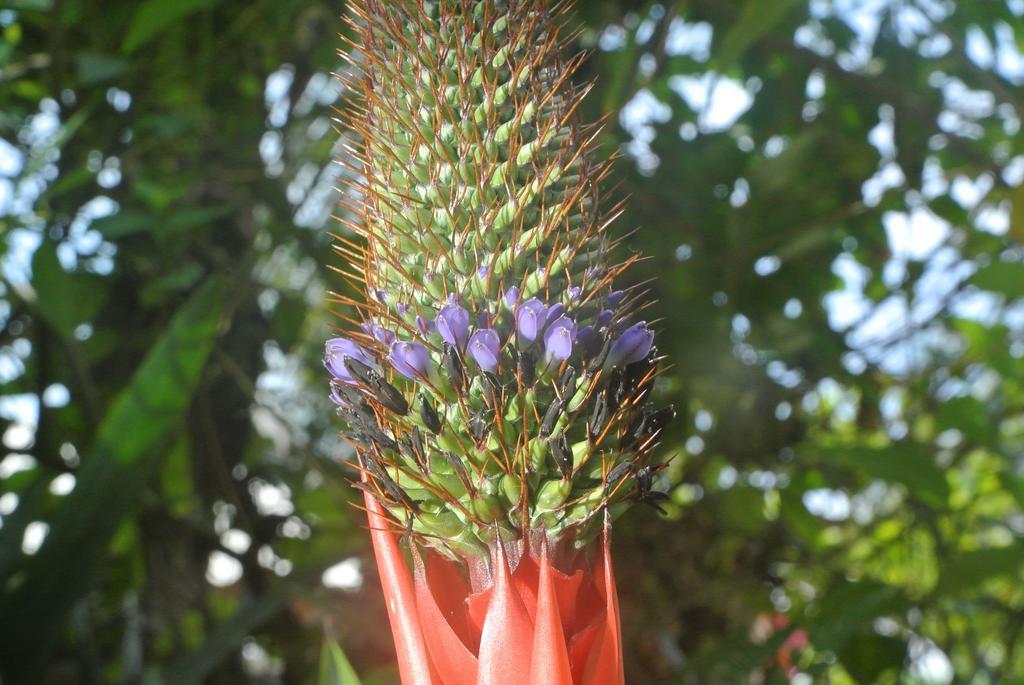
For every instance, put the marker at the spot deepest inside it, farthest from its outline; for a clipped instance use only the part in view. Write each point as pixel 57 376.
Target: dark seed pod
pixel 617 390
pixel 653 499
pixel 551 416
pixel 567 383
pixel 560 450
pixel 602 355
pixel 492 387
pixel 406 539
pixel 647 424
pixel 395 494
pixel 638 375
pixel 382 440
pixel 412 447
pixel 389 396
pixel 366 428
pixel 360 371
pixel 621 470
pixel 644 479
pixel 399 495
pixel 599 416
pixel 354 420
pixel 460 471
pixel 526 366
pixel 350 395
pixel 358 439
pixel 451 360
pixel 479 425
pixel 429 415
pixel 362 409
pixel 661 418
pixel 644 493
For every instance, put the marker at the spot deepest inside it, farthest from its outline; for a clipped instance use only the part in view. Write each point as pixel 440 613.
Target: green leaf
pixel 42 155
pixel 335 668
pixel 94 68
pixel 849 607
pixel 130 442
pixel 968 416
pixel 64 299
pixel 124 223
pixel 866 656
pixel 757 18
pixel 190 218
pixel 29 5
pixel 1001 277
pixel 968 570
pixel 223 640
pixel 154 16
pixel 907 464
pixel 1017 214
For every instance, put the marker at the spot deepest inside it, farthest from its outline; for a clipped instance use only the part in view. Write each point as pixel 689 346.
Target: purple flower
pixel 574 293
pixel 603 317
pixel 555 311
pixel 615 297
pixel 483 271
pixel 453 325
pixel 632 346
pixel 559 337
pixel 530 318
pixel 511 297
pixel 484 347
pixel 335 352
pixel 411 359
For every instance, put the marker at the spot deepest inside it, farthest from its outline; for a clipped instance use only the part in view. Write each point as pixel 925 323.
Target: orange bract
pixel 534 624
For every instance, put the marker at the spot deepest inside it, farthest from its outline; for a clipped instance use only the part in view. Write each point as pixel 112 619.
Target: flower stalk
pixel 494 379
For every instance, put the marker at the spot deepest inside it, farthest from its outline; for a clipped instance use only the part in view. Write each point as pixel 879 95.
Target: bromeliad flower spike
pixel 495 382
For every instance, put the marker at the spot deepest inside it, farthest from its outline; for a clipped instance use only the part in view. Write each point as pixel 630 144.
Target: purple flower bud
pixel 588 340
pixel 511 297
pixel 555 311
pixel 382 334
pixel 335 352
pixel 559 337
pixel 482 271
pixel 530 318
pixel 603 317
pixel 574 293
pixel 632 346
pixel 453 325
pixel 615 297
pixel 426 327
pixel 382 296
pixel 484 347
pixel 411 359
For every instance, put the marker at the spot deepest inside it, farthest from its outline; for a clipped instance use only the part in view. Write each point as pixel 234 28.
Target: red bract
pixel 533 624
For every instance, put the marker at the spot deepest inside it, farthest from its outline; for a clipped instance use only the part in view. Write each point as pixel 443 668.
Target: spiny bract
pixel 497 382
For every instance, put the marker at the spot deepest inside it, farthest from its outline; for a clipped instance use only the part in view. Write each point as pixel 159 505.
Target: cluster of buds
pixel 495 383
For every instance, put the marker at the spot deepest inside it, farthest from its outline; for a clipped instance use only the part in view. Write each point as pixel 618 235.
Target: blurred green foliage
pixel 830 196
